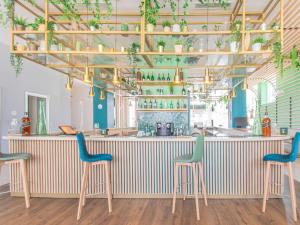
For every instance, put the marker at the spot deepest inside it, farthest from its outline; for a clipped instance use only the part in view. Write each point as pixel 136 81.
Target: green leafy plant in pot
pixel 20 23
pixel 161 45
pixel 93 24
pixel 132 53
pixel 257 43
pixel 166 25
pixel 178 46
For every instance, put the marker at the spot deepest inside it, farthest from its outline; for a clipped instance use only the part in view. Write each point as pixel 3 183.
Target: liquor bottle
pixel 152 77
pixel 161 104
pixel 148 77
pixel 145 104
pixel 168 77
pixel 183 91
pixel 150 104
pixel 155 104
pixel 140 91
pixel 171 105
pixel 178 104
pixel 158 78
pixel 143 77
pixel 266 125
pixel 163 77
pixel 138 75
pixel 181 75
pixel 26 125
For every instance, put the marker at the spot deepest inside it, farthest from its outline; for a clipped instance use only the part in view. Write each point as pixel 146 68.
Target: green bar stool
pixel 192 161
pixel 18 158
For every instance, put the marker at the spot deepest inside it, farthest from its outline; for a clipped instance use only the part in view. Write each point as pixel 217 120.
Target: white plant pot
pixel 178 48
pixel 122 49
pixel 256 47
pixel 176 27
pixel 160 48
pixel 150 27
pixel 167 29
pixel 92 28
pixel 263 26
pixel 234 46
pixel 191 49
pixel 100 48
pixel 54 47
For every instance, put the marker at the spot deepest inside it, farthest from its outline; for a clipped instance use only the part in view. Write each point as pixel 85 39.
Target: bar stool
pixel 192 161
pixel 18 158
pixel 88 161
pixel 283 160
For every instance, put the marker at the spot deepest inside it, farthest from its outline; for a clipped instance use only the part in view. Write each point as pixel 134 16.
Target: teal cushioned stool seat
pixel 277 158
pixel 13 156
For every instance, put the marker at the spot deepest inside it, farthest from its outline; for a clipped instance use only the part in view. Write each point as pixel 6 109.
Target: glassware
pixel 168 77
pixel 163 77
pixel 145 104
pixel 257 126
pixel 152 77
pixel 158 78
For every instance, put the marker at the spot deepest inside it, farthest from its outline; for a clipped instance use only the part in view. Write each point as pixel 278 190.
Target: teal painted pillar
pixel 100 109
pixel 239 103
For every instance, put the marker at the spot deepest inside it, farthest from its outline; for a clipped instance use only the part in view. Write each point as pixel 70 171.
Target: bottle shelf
pixel 162 110
pixel 162 96
pixel 160 83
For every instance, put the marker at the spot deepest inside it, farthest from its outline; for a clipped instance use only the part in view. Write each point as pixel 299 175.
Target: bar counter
pixel 143 167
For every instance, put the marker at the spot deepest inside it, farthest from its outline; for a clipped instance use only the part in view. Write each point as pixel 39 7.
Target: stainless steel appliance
pixel 164 129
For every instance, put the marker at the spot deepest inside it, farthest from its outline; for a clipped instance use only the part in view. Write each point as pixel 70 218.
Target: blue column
pixel 100 109
pixel 239 103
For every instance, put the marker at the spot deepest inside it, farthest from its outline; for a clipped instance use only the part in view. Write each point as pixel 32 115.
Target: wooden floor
pixel 146 212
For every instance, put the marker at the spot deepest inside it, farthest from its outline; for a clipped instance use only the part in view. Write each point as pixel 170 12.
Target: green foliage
pixel 93 23
pixel 235 28
pixel 178 42
pixel 219 43
pixel 124 27
pixel 16 62
pixel 278 56
pixel 185 7
pixel 39 20
pixel 166 23
pixel 204 27
pixel 132 53
pixel 50 28
pixel 223 3
pixel 20 21
pixel 260 40
pixel 152 8
pixel 161 43
pixel 294 54
pixel 183 23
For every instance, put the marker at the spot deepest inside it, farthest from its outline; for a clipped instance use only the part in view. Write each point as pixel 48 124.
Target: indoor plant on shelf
pixel 161 45
pixel 39 24
pixel 20 23
pixel 178 46
pixel 166 25
pixel 257 43
pixel 150 10
pixel 219 44
pixel 132 53
pixel 183 25
pixel 234 39
pixel 93 24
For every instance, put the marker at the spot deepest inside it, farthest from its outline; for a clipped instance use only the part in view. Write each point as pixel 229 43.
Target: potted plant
pixel 39 24
pixel 20 47
pixel 183 26
pixel 178 46
pixel 54 46
pixel 234 39
pixel 176 27
pixel 100 47
pixel 257 43
pixel 161 45
pixel 236 25
pixel 93 24
pixel 16 62
pixel 20 23
pixel 166 25
pixel 219 44
pixel 275 26
pixel 132 53
pixel 204 27
pixel 150 26
pixel 124 27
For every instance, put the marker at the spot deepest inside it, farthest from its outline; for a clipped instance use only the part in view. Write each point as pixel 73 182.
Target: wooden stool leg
pixel 86 167
pixel 108 185
pixel 267 180
pixel 184 181
pixel 175 186
pixel 292 190
pixel 25 182
pixel 85 188
pixel 196 190
pixel 203 182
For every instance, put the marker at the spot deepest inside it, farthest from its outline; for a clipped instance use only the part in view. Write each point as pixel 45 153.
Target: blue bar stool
pixel 192 161
pixel 88 161
pixel 283 160
pixel 18 158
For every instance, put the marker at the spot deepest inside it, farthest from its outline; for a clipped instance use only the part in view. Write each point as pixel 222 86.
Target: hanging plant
pixel 16 62
pixel 294 54
pixel 132 53
pixel 69 8
pixel 152 8
pixel 50 28
pixel 278 56
pixel 223 3
pixel 185 7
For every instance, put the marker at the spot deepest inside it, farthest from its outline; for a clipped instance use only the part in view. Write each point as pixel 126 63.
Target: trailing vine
pixel 132 53
pixel 16 62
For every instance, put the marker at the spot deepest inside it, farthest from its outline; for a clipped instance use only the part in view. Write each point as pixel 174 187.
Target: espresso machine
pixel 164 129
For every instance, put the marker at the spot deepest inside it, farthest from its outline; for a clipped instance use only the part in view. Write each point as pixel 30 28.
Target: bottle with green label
pixel 161 106
pixel 168 77
pixel 171 105
pixel 148 76
pixel 143 77
pixel 183 91
pixel 150 104
pixel 163 77
pixel 155 104
pixel 158 77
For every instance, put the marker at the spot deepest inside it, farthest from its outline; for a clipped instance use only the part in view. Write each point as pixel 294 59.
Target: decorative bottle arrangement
pixel 157 77
pixel 162 104
pixel 26 125
pixel 257 128
pixel 266 125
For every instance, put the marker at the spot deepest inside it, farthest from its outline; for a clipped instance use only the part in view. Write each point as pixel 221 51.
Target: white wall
pixel 81 107
pixel 34 78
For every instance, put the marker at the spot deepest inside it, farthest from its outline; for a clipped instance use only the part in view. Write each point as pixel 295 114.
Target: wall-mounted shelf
pixel 160 83
pixel 162 110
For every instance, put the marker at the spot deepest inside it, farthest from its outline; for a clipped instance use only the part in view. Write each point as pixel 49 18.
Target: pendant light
pixel 233 93
pixel 177 78
pixel 207 78
pixel 115 77
pixel 102 95
pixel 245 84
pixel 91 92
pixel 69 83
pixel 87 78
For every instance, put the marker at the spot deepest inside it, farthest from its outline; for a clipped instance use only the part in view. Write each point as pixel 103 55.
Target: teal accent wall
pixel 239 103
pixel 101 115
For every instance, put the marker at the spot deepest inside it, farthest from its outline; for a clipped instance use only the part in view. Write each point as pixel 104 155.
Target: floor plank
pixel 146 212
